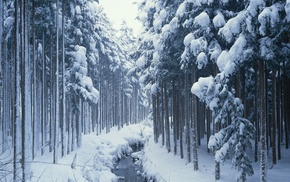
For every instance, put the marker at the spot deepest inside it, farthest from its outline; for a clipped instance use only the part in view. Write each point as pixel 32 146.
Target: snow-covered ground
pixel 167 167
pixel 96 157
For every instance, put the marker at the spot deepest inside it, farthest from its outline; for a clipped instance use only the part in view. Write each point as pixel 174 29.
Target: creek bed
pixel 128 168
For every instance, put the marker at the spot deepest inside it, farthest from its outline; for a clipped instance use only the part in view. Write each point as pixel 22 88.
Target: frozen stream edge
pixel 113 146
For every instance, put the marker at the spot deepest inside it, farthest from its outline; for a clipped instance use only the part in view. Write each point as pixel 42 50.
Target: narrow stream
pixel 127 168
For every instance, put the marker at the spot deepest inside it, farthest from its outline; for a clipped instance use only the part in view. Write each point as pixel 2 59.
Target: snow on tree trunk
pixel 26 93
pixel 17 170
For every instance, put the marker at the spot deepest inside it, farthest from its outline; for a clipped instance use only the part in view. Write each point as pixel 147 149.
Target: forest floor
pixel 95 159
pixel 167 167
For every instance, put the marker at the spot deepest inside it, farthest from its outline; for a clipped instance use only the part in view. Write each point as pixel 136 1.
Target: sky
pixel 118 10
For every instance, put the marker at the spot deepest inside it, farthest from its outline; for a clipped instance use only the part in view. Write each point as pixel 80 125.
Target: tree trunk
pixel 273 138
pixel 17 170
pixel 154 118
pixel 52 97
pixel 63 98
pixel 263 160
pixel 194 126
pixel 279 94
pixel 79 124
pixel 44 98
pixel 167 127
pixel 174 116
pixel 56 102
pixel 187 120
pixel 256 117
pixel 26 93
pixel 2 134
pixel 217 164
pixel 180 120
pixel 35 111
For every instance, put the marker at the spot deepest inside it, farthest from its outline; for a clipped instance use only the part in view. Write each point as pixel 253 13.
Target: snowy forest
pixel 204 72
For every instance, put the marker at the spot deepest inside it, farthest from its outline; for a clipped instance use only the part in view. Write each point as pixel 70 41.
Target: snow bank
pixel 96 157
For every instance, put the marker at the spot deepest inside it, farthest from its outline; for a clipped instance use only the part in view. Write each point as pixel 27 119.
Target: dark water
pixel 127 169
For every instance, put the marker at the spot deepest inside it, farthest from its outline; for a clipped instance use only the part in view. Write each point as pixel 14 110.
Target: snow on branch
pixel 82 84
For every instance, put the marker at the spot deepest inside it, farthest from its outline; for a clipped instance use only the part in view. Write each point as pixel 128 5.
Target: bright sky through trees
pixel 118 10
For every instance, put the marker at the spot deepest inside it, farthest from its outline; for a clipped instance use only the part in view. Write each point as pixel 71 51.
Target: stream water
pixel 127 169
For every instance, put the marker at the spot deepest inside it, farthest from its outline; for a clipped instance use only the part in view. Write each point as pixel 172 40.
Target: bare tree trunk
pixel 56 102
pixel 52 98
pixel 174 116
pixel 256 118
pixel 79 124
pixel 180 120
pixel 63 98
pixel 162 117
pixel 167 127
pixel 187 120
pixel 279 108
pixel 26 93
pixel 69 126
pixel 194 126
pixel 44 98
pixel 273 138
pixel 17 170
pixel 208 132
pixel 35 111
pixel 286 106
pixel 154 118
pixel 2 134
pixel 263 177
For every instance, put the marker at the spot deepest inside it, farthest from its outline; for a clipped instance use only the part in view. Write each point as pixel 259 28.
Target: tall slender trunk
pixel 51 97
pixel 263 167
pixel 180 120
pixel 208 132
pixel 44 98
pixel 35 111
pixel 217 164
pixel 256 117
pixel 17 170
pixel 162 117
pixel 2 133
pixel 26 93
pixel 279 108
pixel 56 102
pixel 286 106
pixel 174 116
pixel 194 126
pixel 167 127
pixel 63 97
pixel 273 138
pixel 79 124
pixel 187 120
pixel 154 118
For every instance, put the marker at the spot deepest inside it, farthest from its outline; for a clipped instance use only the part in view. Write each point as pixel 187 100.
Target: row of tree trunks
pixel 40 112
pixel 174 110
